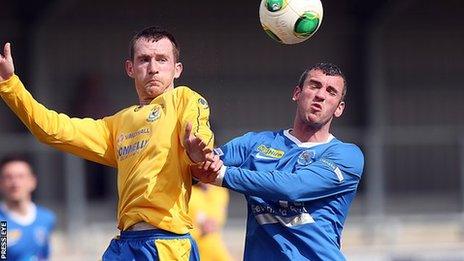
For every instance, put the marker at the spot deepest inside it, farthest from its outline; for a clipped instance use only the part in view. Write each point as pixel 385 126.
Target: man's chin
pixel 15 199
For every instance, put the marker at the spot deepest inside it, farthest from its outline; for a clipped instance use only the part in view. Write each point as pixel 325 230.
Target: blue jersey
pixel 29 241
pixel 298 193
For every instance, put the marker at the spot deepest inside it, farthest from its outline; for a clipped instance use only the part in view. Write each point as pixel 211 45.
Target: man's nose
pixel 152 67
pixel 320 94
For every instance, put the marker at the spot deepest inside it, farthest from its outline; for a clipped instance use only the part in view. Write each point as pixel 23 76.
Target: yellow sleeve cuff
pixel 9 83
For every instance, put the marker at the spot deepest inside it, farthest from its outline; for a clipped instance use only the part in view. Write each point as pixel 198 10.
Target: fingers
pixel 216 164
pixel 200 174
pixel 208 151
pixel 7 51
pixel 6 63
pixel 195 147
pixel 210 169
pixel 207 171
pixel 209 154
pixel 201 145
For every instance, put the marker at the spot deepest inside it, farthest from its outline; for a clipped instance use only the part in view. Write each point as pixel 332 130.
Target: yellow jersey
pixel 209 202
pixel 143 142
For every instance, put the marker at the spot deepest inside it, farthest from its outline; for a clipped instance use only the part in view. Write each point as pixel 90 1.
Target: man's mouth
pixel 316 107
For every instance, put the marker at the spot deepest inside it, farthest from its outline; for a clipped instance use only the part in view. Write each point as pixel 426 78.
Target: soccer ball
pixel 290 21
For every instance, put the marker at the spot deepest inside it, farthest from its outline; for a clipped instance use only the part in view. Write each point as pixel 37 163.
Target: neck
pixel 308 133
pixel 147 99
pixel 19 207
pixel 144 102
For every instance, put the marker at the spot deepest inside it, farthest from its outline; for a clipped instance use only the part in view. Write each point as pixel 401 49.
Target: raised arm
pixel 86 138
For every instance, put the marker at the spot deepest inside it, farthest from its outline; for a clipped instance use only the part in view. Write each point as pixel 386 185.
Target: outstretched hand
pixel 6 63
pixel 207 171
pixel 195 147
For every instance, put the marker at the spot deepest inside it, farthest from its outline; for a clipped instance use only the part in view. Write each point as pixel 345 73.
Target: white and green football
pixel 290 21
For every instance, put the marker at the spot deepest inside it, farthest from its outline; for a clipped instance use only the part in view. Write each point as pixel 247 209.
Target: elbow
pixel 40 136
pixel 47 138
pixel 292 194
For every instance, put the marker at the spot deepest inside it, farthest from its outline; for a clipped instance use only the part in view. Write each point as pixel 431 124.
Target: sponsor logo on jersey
pixel 155 113
pixel 14 236
pixel 125 136
pixel 268 153
pixel 126 151
pixel 203 103
pixel 289 215
pixel 332 166
pixel 306 157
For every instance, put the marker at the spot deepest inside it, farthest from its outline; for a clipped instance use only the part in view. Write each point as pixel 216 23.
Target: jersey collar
pixel 21 220
pixel 306 144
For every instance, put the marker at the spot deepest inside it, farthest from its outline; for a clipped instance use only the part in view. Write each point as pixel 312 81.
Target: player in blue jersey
pixel 299 183
pixel 29 226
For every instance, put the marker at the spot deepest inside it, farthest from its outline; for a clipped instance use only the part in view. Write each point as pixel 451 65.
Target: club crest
pixel 203 103
pixel 306 157
pixel 155 113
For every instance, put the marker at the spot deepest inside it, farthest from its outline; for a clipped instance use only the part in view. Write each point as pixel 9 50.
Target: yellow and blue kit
pixel 209 202
pixel 143 142
pixel 298 193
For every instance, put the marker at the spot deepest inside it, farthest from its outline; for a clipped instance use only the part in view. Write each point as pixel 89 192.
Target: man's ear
pixel 129 66
pixel 296 93
pixel 340 108
pixel 178 71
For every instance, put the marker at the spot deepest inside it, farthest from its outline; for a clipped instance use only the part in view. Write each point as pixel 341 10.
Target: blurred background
pixel 403 60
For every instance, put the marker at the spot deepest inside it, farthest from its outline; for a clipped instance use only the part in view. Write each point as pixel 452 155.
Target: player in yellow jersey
pixel 208 209
pixel 151 144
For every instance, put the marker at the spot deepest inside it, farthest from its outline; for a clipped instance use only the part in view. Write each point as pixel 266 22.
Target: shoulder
pixel 183 89
pixel 118 115
pixel 45 214
pixel 345 147
pixel 348 155
pixel 252 139
pixel 125 110
pixel 336 145
pixel 186 95
pixel 185 92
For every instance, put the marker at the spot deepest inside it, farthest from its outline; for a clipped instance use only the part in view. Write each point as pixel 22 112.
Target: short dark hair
pixel 154 33
pixel 328 69
pixel 13 158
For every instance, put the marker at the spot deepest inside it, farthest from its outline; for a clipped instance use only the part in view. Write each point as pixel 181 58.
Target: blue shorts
pixel 154 244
